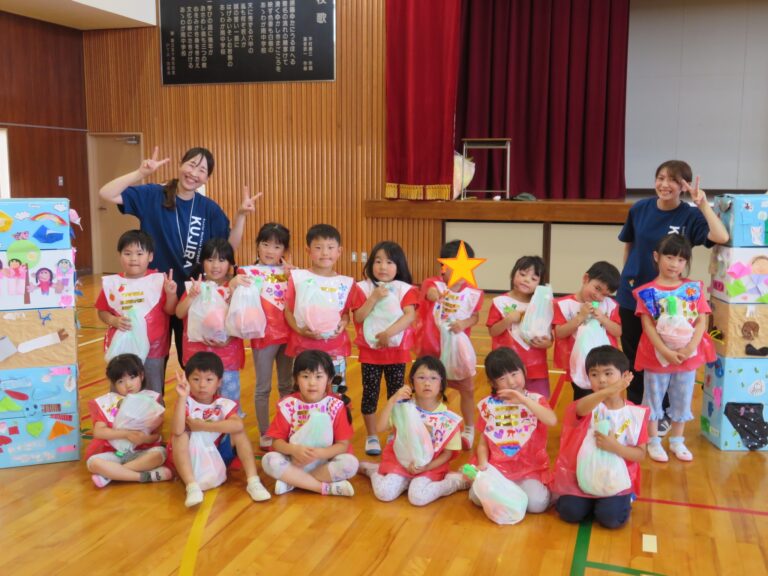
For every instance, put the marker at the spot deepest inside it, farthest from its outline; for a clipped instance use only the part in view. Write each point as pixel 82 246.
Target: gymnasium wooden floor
pixel 706 517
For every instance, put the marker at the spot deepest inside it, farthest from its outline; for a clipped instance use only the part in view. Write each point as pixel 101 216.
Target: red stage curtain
pixel 422 68
pixel 550 75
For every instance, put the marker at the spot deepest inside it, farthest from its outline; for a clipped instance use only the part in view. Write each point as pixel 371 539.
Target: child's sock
pixel 369 468
pixel 100 481
pixel 159 474
pixel 256 490
pixel 343 488
pixel 282 487
pixel 194 495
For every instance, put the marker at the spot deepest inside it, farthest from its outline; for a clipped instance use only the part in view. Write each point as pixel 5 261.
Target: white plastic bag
pixel 207 315
pixel 503 501
pixel 386 312
pixel 598 472
pixel 207 464
pixel 457 354
pixel 413 443
pixel 588 336
pixel 133 341
pixel 316 309
pixel 246 318
pixel 316 432
pixel 537 320
pixel 139 411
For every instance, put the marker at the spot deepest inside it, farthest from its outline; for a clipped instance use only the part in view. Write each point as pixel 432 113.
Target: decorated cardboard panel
pixel 744 216
pixel 739 275
pixel 39 420
pixel 737 380
pixel 735 425
pixel 41 221
pixel 31 278
pixel 743 329
pixel 36 338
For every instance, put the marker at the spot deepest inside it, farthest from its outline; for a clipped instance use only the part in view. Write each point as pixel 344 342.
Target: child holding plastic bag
pixel 383 308
pixel 668 354
pixel 513 422
pixel 446 316
pixel 504 318
pixel 271 270
pixel 150 295
pixel 205 427
pixel 608 370
pixel 203 308
pixel 311 433
pixel 573 313
pixel 143 457
pixel 420 466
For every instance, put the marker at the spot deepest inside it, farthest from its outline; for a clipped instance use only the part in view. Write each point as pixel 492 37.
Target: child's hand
pixel 215 343
pixel 239 280
pixel 458 326
pixel 248 206
pixel 686 352
pixel 585 311
pixel 286 264
pixel 403 393
pixel 169 285
pixel 482 463
pixel 413 469
pixel 182 385
pixel 514 317
pixel 303 455
pixel 137 437
pixel 672 356
pixel 541 342
pixel 122 323
pixel 607 442
pixel 379 293
pixel 623 383
pixel 150 165
pixel 196 287
pixel 382 339
pixel 197 425
pixel 513 396
pixel 599 315
pixel 697 194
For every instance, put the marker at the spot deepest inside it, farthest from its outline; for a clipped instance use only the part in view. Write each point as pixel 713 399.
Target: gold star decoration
pixel 462 267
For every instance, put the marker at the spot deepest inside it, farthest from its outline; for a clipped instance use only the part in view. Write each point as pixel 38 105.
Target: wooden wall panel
pixel 42 103
pixel 315 149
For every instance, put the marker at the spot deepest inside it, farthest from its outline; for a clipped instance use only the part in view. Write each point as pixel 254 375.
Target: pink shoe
pixel 100 481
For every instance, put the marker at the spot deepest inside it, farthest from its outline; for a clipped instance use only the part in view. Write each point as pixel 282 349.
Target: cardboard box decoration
pixel 737 380
pixel 41 221
pixel 39 420
pixel 739 275
pixel 743 329
pixel 31 278
pixel 744 216
pixel 37 338
pixel 734 425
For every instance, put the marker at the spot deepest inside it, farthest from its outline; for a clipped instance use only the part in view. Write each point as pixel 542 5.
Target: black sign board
pixel 216 41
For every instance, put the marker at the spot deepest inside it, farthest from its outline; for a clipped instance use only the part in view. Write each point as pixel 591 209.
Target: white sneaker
pixel 680 451
pixel 372 446
pixel 459 480
pixel 194 495
pixel 265 443
pixel 467 439
pixel 656 452
pixel 282 488
pixel 257 491
pixel 343 488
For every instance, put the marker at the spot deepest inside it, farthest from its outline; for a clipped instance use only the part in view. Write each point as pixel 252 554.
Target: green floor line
pixel 619 569
pixel 581 548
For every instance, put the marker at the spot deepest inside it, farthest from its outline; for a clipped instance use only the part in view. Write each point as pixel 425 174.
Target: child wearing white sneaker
pixel 425 483
pixel 384 310
pixel 311 433
pixel 200 409
pixel 674 343
pixel 144 462
pixel 513 424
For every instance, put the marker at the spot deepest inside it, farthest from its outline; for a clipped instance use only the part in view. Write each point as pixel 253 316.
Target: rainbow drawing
pixel 55 218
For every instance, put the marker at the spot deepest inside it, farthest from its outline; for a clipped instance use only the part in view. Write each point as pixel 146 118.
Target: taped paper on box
pixel 37 338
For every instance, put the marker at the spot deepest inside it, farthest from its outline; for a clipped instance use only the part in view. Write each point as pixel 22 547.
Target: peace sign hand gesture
pixel 248 205
pixel 150 165
pixel 169 284
pixel 697 194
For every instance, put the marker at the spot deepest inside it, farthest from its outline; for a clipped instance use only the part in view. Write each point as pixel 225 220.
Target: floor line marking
pixel 90 342
pixel 620 569
pixel 191 548
pixel 581 548
pixel 704 506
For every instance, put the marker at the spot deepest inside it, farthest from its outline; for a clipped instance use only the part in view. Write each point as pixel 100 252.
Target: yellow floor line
pixel 189 558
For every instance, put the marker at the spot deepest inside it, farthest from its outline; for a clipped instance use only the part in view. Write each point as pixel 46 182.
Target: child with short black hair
pixel 504 319
pixel 318 300
pixel 150 293
pixel 200 410
pixel 608 370
pixel 592 301
pixel 456 307
pixel 311 433
pixel 513 426
pixel 144 462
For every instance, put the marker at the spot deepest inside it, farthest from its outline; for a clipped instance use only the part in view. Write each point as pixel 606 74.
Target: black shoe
pixel 664 425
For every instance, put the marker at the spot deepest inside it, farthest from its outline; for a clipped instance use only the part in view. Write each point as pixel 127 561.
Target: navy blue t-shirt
pixel 645 226
pixel 178 235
